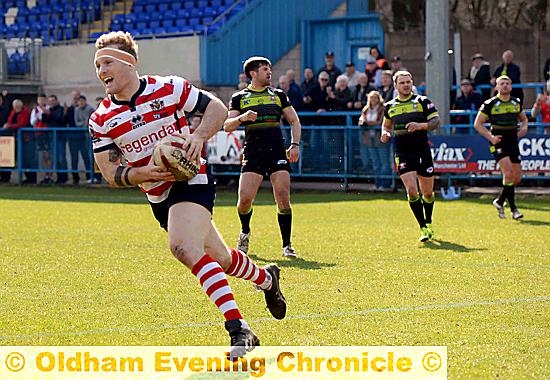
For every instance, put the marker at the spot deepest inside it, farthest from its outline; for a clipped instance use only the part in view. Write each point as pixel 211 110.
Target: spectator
pixel 370 148
pixel 243 82
pixel 381 61
pixel 542 107
pixel 316 99
pixel 309 80
pixel 4 114
pixel 98 101
pixel 294 93
pixel 374 73
pixel 79 143
pixel 352 75
pixel 20 117
pixel 330 68
pixel 43 139
pixel 546 70
pixel 69 121
pixel 56 119
pixel 340 99
pixel 512 71
pixel 396 65
pixel 361 92
pixel 480 73
pixel 386 89
pixel 467 100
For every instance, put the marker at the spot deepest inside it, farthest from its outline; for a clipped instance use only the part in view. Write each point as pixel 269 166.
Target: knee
pixel 412 195
pixel 185 253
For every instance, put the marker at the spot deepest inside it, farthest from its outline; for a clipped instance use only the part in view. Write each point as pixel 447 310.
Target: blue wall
pixel 265 27
pixel 350 38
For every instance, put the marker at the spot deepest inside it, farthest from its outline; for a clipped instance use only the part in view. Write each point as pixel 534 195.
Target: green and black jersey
pixel 416 108
pixel 269 105
pixel 503 116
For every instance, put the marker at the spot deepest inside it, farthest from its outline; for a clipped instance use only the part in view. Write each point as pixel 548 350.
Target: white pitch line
pixel 401 309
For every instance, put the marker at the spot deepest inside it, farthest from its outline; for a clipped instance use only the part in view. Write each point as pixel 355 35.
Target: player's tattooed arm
pixel 114 155
pixel 434 123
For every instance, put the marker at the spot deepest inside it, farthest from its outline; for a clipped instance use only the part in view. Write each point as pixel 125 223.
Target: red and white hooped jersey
pixel 155 111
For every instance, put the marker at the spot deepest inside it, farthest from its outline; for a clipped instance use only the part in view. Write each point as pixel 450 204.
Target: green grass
pixel 92 267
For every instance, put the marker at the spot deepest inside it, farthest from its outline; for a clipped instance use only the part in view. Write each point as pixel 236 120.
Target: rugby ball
pixel 169 153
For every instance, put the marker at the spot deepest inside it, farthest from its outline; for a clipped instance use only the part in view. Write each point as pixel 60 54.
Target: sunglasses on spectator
pixel 324 79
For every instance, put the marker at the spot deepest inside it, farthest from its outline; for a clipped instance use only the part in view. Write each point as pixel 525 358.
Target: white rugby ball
pixel 168 153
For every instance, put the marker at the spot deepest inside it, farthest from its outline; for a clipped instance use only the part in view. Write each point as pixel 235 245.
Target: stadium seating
pixel 56 21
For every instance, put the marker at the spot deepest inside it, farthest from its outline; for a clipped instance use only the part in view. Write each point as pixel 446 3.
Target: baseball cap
pixel 349 64
pixel 477 55
pixel 465 81
pixel 329 54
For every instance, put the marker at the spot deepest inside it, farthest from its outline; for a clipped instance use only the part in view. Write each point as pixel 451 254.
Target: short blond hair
pixel 401 73
pixel 122 40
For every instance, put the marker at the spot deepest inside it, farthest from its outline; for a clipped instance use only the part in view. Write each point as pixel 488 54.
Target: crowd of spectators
pixel 39 155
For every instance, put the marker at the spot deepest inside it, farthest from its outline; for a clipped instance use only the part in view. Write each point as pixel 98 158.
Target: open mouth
pixel 107 80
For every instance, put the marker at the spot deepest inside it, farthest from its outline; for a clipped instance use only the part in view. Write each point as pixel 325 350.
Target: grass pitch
pixel 92 267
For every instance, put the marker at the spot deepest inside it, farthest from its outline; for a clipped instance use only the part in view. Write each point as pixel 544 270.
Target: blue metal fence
pixel 332 148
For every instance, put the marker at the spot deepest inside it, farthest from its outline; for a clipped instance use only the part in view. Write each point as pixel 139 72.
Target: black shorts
pixel 265 160
pixel 419 161
pixel 506 149
pixel 203 195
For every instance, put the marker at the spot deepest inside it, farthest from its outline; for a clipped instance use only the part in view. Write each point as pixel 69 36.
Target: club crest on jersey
pixel 156 104
pixel 137 121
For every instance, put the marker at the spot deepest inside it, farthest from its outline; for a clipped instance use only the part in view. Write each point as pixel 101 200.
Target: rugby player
pixel 259 108
pixel 136 113
pixel 503 111
pixel 410 117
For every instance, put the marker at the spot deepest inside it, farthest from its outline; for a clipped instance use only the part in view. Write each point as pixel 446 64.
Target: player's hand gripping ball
pixel 168 153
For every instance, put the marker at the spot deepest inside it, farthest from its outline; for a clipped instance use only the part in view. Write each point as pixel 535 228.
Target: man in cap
pixel 330 68
pixel 480 73
pixel 352 75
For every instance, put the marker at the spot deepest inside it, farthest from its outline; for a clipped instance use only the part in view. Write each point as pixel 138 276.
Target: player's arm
pixel 214 114
pixel 118 175
pixel 387 128
pixel 233 121
pixel 481 119
pixel 296 132
pixel 524 124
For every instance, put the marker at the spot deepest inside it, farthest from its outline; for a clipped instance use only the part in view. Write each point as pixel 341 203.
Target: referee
pixel 259 108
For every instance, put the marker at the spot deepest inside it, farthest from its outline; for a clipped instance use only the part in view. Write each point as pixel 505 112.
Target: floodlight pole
pixel 437 57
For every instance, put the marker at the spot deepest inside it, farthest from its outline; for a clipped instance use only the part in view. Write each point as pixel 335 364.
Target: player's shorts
pixel 419 161
pixel 506 149
pixel 265 160
pixel 180 191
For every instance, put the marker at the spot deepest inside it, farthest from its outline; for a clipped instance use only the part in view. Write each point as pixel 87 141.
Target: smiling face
pixel 116 76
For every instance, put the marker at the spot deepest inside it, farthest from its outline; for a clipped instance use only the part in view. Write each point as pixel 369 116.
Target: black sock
pixel 245 221
pixel 428 204
pixel 284 217
pixel 511 196
pixel 418 210
pixel 502 196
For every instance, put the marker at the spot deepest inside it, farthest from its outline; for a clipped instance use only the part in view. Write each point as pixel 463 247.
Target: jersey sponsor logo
pixel 113 122
pixel 144 142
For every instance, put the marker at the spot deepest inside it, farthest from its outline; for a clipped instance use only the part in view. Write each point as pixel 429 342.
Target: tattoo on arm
pixel 114 155
pixel 433 123
pixel 118 176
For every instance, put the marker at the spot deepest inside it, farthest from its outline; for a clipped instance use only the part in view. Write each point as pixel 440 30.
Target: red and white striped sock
pixel 243 267
pixel 214 283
